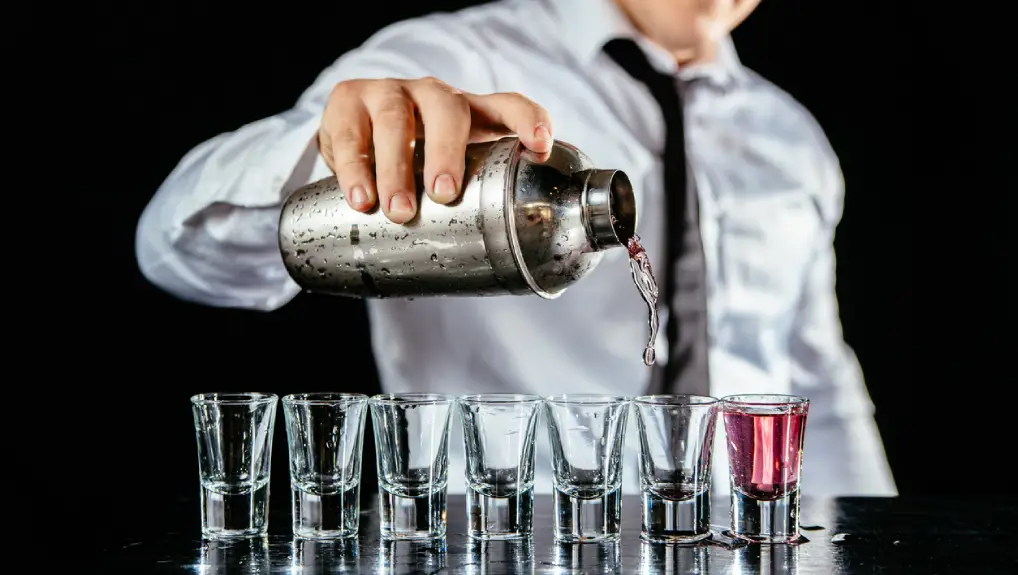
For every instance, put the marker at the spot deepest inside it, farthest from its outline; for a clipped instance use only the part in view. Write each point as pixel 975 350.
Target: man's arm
pixel 824 367
pixel 209 233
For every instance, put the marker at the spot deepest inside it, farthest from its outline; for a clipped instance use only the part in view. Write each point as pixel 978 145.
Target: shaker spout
pixel 609 208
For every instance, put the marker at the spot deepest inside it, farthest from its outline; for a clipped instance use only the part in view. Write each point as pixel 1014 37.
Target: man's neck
pixel 705 55
pixel 684 57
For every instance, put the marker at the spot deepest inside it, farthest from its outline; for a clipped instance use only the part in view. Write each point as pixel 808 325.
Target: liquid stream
pixel 643 277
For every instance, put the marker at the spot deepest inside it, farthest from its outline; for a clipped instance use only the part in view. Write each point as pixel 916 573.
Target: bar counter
pixel 850 535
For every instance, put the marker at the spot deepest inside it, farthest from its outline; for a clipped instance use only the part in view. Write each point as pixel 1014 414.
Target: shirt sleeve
pixel 209 234
pixel 823 365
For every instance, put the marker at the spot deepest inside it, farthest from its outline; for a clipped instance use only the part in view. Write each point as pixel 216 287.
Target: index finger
pixel 496 113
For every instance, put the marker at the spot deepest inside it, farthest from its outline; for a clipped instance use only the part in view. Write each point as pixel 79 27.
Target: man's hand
pixel 375 122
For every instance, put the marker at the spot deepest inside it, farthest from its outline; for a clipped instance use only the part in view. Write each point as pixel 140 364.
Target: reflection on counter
pixel 406 557
pixel 673 559
pixel 490 557
pixel 221 556
pixel 848 536
pixel 601 557
pixel 324 556
pixel 766 560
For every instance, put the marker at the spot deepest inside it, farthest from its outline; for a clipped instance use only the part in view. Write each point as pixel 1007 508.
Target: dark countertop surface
pixel 851 535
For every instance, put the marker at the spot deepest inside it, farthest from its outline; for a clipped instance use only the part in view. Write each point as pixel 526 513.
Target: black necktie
pixel 685 274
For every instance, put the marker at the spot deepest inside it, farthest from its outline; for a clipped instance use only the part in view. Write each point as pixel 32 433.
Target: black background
pixel 131 87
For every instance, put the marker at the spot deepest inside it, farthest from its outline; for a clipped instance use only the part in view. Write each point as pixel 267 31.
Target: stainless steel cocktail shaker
pixel 523 225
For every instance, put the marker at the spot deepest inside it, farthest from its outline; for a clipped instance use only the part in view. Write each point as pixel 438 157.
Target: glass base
pixel 765 521
pixel 412 517
pixel 582 519
pixel 330 516
pixel 496 518
pixel 235 513
pixel 676 521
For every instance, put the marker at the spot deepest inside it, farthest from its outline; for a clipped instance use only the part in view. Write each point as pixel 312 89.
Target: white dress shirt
pixel 770 192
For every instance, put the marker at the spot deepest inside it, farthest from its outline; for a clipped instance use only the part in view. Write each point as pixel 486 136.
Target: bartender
pixel 738 189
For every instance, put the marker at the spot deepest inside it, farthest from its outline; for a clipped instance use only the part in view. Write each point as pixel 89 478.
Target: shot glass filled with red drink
pixel 765 438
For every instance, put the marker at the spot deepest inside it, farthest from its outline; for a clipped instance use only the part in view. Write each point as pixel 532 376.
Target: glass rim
pixel 323 398
pixel 413 398
pixel 763 401
pixel 234 398
pixel 586 399
pixel 677 399
pixel 500 398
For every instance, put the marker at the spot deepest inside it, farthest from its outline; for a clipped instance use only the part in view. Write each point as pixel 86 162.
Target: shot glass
pixel 676 445
pixel 765 437
pixel 498 432
pixel 325 433
pixel 586 434
pixel 234 435
pixel 412 449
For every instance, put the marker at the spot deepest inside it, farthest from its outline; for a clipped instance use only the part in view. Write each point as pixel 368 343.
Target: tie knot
pixel 627 54
pixel 662 86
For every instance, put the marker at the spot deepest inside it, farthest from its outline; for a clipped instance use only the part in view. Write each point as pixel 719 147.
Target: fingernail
pixel 358 197
pixel 445 187
pixel 542 133
pixel 399 205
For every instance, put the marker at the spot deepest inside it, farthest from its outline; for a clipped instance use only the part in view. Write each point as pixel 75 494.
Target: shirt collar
pixel 587 25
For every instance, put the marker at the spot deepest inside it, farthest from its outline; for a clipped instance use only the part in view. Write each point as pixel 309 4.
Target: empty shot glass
pixel 498 432
pixel 586 434
pixel 325 433
pixel 412 450
pixel 676 445
pixel 234 435
pixel 765 438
